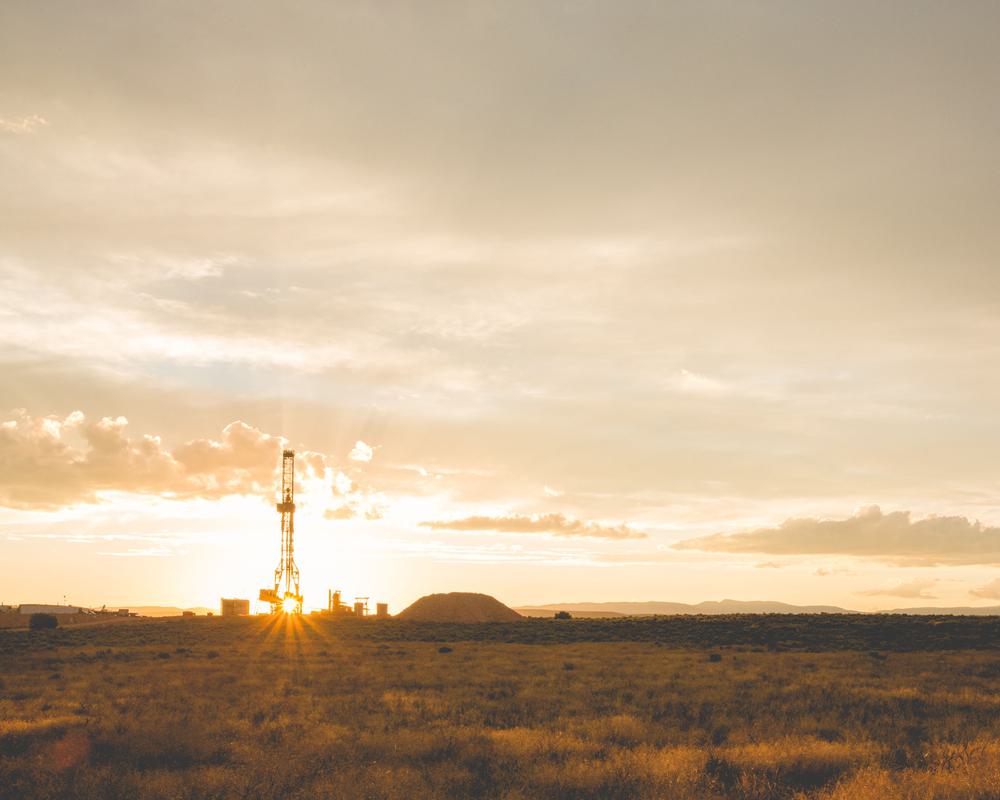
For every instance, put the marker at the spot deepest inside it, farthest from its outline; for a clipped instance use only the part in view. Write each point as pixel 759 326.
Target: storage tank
pixel 359 609
pixel 234 607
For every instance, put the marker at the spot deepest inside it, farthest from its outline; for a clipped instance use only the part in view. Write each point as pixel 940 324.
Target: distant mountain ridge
pixel 165 611
pixel 636 609
pixel 651 607
pixel 973 611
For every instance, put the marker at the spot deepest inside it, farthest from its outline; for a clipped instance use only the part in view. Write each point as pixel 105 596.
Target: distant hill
pixel 641 609
pixel 657 607
pixel 165 611
pixel 458 607
pixel 536 611
pixel 974 611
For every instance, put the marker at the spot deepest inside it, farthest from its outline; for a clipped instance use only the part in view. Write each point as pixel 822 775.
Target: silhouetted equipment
pixel 286 575
pixel 269 596
pixel 234 607
pixel 335 605
pixel 338 607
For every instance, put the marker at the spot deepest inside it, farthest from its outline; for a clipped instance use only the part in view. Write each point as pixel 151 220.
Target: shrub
pixel 40 622
pixel 563 615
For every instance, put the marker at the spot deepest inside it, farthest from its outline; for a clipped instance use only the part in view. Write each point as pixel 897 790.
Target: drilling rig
pixel 286 573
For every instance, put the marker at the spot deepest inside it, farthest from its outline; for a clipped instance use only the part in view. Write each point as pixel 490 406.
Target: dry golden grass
pixel 262 709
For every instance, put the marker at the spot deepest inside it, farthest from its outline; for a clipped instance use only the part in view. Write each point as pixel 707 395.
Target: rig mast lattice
pixel 286 598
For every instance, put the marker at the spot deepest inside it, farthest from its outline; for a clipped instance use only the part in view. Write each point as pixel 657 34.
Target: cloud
pixel 243 455
pixel 367 508
pixel 361 452
pixel 355 498
pixel 342 484
pixel 525 322
pixel 769 565
pixel 915 589
pixel 49 462
pixel 892 537
pixel 555 524
pixel 988 591
pixel 168 267
pixel 692 383
pixel 20 126
pixel 641 558
pixel 139 552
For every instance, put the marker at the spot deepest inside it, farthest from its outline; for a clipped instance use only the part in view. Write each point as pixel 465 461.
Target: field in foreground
pixel 749 707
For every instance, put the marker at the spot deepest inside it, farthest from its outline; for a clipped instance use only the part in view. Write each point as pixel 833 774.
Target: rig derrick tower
pixel 286 595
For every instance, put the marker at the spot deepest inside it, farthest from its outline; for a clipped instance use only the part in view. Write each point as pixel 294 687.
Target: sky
pixel 555 301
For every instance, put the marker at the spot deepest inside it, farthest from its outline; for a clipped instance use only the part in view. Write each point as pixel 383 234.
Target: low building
pixel 234 607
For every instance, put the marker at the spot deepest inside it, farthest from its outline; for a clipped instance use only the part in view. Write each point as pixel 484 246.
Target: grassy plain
pixel 683 707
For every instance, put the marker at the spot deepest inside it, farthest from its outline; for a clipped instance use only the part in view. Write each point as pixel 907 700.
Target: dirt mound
pixel 459 607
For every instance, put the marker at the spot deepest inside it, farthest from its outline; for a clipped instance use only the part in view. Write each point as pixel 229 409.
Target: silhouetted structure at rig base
pixel 338 608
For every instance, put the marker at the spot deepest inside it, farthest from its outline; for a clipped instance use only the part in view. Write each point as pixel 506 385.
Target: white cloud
pixel 168 266
pixel 20 126
pixel 144 552
pixel 693 383
pixel 341 483
pixel 361 452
